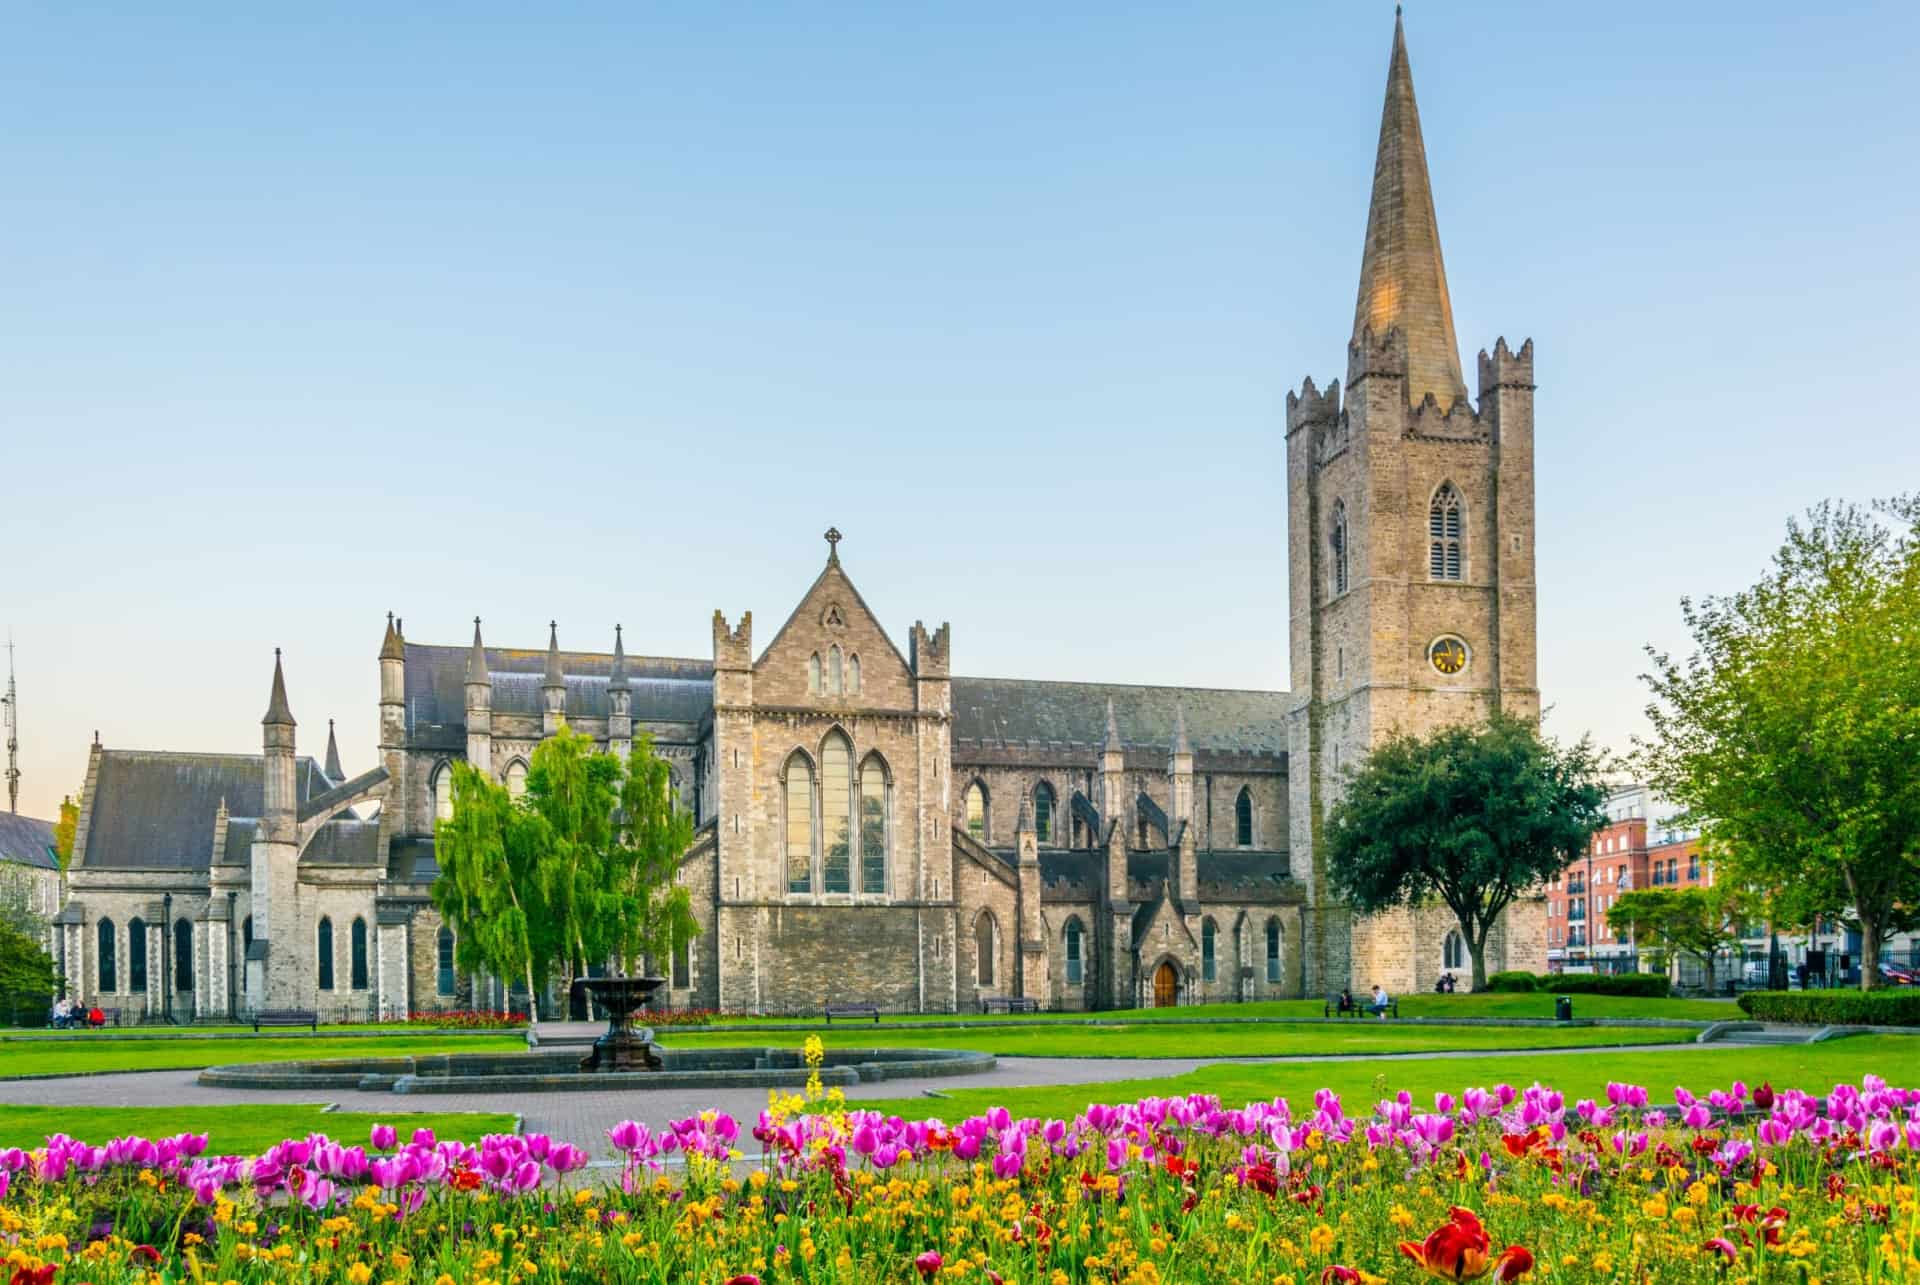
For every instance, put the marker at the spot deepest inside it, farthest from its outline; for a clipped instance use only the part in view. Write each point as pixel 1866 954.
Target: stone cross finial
pixel 833 538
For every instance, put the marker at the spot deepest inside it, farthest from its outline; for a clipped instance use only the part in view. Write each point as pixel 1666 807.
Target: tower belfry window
pixel 1446 556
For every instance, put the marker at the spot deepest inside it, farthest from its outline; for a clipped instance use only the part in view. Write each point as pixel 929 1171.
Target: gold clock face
pixel 1448 655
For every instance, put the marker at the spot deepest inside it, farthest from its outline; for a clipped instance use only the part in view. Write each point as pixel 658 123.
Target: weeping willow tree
pixel 488 891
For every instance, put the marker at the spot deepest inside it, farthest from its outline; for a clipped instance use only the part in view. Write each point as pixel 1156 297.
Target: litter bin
pixel 1563 1008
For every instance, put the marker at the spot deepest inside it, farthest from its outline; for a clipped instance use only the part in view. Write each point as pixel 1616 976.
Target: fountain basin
pixel 558 1070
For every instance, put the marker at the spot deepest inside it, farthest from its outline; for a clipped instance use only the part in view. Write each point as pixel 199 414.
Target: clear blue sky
pixel 605 312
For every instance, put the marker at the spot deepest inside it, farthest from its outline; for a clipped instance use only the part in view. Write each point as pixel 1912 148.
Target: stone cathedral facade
pixel 872 826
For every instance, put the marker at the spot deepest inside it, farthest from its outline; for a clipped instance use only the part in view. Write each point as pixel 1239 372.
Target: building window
pixel 1445 522
pixel 1243 818
pixel 983 948
pixel 443 793
pixel 853 675
pixel 137 955
pixel 358 944
pixel 836 810
pixel 443 956
pixel 324 951
pixel 108 960
pixel 835 674
pixel 1043 813
pixel 813 674
pixel 1273 950
pixel 683 964
pixel 182 955
pixel 1338 540
pixel 873 825
pixel 246 935
pixel 1453 951
pixel 516 778
pixel 1076 966
pixel 799 824
pixel 976 809
pixel 1208 933
pixel 1693 866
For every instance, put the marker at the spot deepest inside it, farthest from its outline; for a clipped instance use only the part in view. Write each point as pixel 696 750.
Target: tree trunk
pixel 1869 951
pixel 1706 969
pixel 1477 948
pixel 533 998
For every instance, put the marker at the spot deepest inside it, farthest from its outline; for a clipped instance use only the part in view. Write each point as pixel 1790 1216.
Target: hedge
pixel 1515 980
pixel 1834 1008
pixel 1642 985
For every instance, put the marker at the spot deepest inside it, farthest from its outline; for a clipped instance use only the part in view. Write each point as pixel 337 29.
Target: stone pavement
pixel 584 1118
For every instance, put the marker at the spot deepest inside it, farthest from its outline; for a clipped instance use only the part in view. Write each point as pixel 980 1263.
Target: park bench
pixel 287 1017
pixel 1362 1007
pixel 853 1010
pixel 1008 1004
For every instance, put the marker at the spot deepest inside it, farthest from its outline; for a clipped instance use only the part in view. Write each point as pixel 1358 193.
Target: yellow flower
pixel 1320 1239
pixel 359 1274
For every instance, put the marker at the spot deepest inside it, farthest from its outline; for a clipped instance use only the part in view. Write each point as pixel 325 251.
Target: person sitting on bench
pixel 1380 1002
pixel 1345 1003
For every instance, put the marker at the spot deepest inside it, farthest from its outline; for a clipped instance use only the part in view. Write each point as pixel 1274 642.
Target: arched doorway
pixel 1166 985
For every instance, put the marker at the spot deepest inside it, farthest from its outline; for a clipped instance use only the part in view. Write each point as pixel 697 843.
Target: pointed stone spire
pixel 477 658
pixel 1113 729
pixel 617 681
pixel 553 678
pixel 334 773
pixel 1181 745
pixel 390 646
pixel 278 715
pixel 1403 281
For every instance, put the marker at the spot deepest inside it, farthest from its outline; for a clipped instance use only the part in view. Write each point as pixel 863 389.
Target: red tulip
pixel 929 1263
pixel 1723 1247
pixel 744 1278
pixel 1513 1263
pixel 1459 1250
pixel 1336 1272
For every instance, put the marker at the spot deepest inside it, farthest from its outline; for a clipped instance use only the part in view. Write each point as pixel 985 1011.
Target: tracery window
pixel 1453 951
pixel 873 825
pixel 1043 813
pixel 1338 539
pixel 976 810
pixel 836 810
pixel 1446 524
pixel 443 793
pixel 1243 818
pixel 799 824
pixel 516 778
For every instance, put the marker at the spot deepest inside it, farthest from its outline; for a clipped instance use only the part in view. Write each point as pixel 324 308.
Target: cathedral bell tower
pixel 1410 546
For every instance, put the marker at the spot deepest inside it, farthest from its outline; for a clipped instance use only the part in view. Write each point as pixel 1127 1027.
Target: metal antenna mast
pixel 12 704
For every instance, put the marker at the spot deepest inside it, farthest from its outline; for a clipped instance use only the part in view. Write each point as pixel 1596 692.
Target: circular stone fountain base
pixel 558 1071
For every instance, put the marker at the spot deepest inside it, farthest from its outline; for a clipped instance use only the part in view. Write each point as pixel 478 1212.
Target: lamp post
pixel 166 958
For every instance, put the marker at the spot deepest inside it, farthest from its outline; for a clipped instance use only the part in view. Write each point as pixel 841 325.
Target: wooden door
pixel 1166 986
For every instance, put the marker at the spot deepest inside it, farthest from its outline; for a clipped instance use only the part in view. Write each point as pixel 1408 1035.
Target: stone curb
pixel 188 1035
pixel 1720 1030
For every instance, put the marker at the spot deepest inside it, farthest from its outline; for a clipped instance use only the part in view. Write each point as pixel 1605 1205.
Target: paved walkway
pixel 584 1118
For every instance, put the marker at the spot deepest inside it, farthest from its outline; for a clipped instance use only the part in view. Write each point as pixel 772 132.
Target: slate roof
pixel 27 841
pixel 153 810
pixel 991 710
pixel 665 689
pixel 344 843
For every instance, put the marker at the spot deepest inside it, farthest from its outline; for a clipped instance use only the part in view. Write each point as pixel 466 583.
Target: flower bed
pixel 1497 1183
pixel 461 1019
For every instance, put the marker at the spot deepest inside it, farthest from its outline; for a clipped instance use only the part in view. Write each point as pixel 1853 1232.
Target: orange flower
pixel 1459 1250
pixel 466 1180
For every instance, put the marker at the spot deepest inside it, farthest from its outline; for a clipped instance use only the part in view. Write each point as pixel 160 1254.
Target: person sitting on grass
pixel 1380 1002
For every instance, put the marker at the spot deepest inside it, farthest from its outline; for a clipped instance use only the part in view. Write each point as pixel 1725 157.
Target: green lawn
pixel 1813 1067
pixel 240 1130
pixel 1539 1004
pixel 1151 1039
pixel 131 1053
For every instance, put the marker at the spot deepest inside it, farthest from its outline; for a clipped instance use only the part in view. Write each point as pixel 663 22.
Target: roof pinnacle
pixel 553 678
pixel 1113 729
pixel 833 538
pixel 617 681
pixel 390 646
pixel 477 658
pixel 334 773
pixel 278 715
pixel 1181 745
pixel 1025 824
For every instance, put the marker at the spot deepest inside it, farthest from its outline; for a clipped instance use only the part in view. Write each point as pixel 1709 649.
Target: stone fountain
pixel 622 1048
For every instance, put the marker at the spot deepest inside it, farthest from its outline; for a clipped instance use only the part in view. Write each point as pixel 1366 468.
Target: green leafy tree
pixel 1474 817
pixel 1700 922
pixel 649 916
pixel 28 982
pixel 1792 734
pixel 488 889
pixel 571 793
pixel 18 885
pixel 63 832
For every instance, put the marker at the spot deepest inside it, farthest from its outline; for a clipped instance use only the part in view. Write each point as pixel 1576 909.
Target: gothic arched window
pixel 358 944
pixel 799 824
pixel 976 811
pixel 1453 951
pixel 1446 524
pixel 182 955
pixel 108 961
pixel 1337 538
pixel 983 935
pixel 835 671
pixel 1076 949
pixel 813 674
pixel 443 960
pixel 443 793
pixel 853 675
pixel 836 810
pixel 873 825
pixel 1043 813
pixel 516 778
pixel 324 950
pixel 1243 818
pixel 136 955
pixel 1273 950
pixel 1209 937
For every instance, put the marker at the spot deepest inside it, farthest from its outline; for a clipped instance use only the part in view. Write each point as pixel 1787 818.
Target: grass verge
pixel 125 1053
pixel 1813 1067
pixel 232 1129
pixel 1149 1039
pixel 1537 1004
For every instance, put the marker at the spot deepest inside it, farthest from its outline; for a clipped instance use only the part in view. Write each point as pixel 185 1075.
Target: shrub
pixel 466 1019
pixel 1834 1008
pixel 1513 980
pixel 1641 985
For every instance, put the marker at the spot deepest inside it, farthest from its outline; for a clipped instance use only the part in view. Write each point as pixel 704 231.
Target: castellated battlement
pixel 1459 422
pixel 930 654
pixel 1505 368
pixel 1310 406
pixel 1370 354
pixel 733 648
